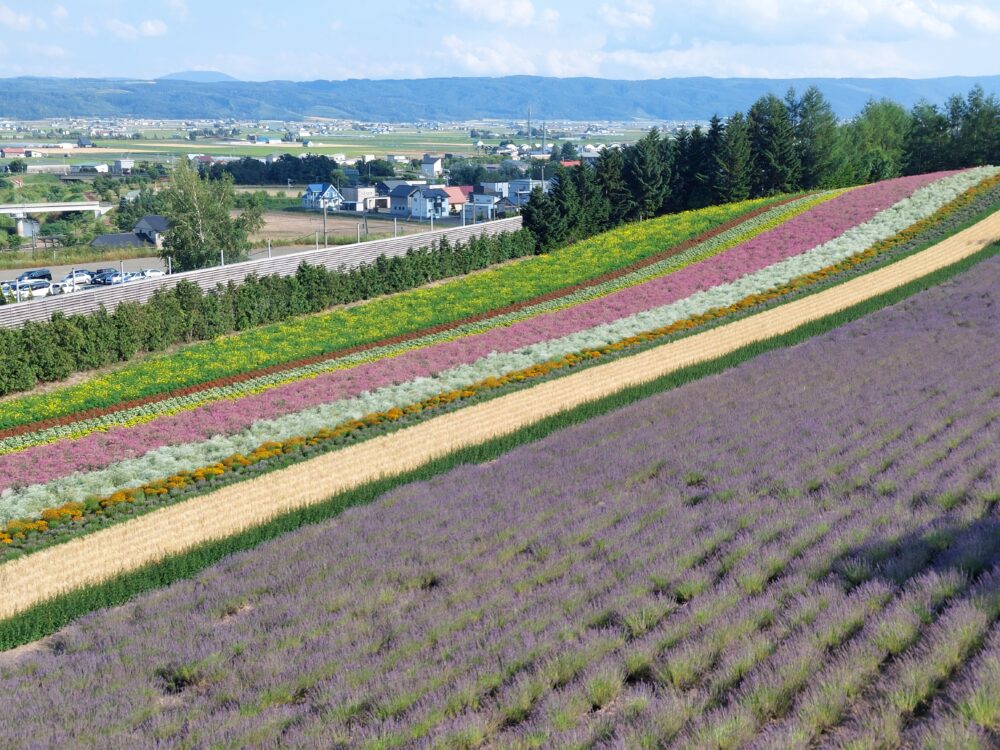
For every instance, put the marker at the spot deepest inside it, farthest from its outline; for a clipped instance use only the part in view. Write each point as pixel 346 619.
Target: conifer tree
pixel 772 147
pixel 594 207
pixel 644 175
pixel 815 137
pixel 734 161
pixel 611 178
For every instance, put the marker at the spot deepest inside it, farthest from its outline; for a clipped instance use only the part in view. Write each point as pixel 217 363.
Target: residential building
pixel 458 196
pixel 320 195
pixel 385 187
pixel 92 168
pixel 84 143
pixel 500 188
pixel 402 199
pixel 152 227
pixel 359 199
pixel 148 232
pixel 520 190
pixel 122 166
pixel 11 152
pixel 430 202
pixel 482 205
pixel 431 166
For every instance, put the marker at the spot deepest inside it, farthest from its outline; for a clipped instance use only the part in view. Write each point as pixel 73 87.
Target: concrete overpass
pixel 21 211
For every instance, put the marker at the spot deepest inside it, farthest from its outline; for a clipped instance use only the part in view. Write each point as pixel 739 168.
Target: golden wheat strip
pixel 173 529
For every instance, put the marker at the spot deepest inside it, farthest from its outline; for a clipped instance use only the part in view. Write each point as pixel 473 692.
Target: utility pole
pixel 326 241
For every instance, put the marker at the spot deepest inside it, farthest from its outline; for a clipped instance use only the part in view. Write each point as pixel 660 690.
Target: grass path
pixel 128 546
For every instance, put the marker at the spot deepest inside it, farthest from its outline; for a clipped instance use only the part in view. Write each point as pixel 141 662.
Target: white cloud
pixel 153 27
pixel 629 14
pixel 498 58
pixel 179 8
pixel 124 30
pixel 724 60
pixel 59 13
pixel 512 13
pixel 19 21
pixel 47 50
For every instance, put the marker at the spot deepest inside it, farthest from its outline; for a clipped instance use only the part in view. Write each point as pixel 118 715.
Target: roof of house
pixel 155 222
pixel 120 240
pixel 404 191
pixel 435 193
pixel 570 162
pixel 430 159
pixel 456 195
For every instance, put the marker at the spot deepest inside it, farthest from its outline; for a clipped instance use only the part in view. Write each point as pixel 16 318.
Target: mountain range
pixel 219 97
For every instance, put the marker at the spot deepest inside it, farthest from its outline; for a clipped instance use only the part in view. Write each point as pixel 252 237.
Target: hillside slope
pixel 450 98
pixel 800 549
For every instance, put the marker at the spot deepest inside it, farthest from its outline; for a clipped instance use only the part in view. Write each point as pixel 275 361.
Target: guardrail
pixel 342 256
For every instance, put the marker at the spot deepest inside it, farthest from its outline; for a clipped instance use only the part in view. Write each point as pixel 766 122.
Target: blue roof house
pixel 322 195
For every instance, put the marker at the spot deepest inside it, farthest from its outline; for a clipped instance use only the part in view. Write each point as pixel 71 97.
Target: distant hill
pixel 448 98
pixel 199 76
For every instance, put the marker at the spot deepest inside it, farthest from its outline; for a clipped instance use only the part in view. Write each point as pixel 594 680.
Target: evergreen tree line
pixel 777 146
pixel 53 350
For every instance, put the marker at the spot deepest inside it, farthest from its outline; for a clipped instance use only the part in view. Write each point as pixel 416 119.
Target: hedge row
pixel 53 350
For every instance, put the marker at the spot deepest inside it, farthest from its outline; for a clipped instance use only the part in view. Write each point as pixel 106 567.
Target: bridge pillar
pixel 20 226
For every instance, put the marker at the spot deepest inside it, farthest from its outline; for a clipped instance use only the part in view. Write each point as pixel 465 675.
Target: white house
pixel 123 166
pixel 432 166
pixel 482 205
pixel 359 198
pixel 402 199
pixel 320 195
pixel 430 202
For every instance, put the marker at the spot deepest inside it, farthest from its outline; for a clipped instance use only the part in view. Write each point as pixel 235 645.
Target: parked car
pixel 110 279
pixel 109 276
pixel 151 273
pixel 37 275
pixel 32 289
pixel 79 277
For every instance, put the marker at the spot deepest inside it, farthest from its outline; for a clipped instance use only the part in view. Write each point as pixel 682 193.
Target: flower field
pixel 139 455
pixel 797 552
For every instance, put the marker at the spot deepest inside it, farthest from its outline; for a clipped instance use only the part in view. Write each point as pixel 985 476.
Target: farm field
pixel 405 141
pixel 108 454
pixel 291 227
pixel 771 556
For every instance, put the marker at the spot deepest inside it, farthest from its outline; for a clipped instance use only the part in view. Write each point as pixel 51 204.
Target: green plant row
pixel 46 618
pixel 51 351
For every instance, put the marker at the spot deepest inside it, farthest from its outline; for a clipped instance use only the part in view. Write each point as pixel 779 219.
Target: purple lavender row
pixel 447 596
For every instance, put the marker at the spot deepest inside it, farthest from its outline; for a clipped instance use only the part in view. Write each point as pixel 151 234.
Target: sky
pixel 628 39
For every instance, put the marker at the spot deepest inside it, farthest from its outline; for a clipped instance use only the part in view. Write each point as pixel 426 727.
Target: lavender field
pixel 802 551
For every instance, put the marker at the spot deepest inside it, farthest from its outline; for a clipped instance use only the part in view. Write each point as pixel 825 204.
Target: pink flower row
pixel 97 450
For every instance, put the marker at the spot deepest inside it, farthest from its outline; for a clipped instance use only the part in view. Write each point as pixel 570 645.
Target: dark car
pixel 39 274
pixel 103 275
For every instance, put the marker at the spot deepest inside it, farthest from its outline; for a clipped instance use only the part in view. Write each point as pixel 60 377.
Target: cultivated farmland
pixel 763 557
pixel 772 556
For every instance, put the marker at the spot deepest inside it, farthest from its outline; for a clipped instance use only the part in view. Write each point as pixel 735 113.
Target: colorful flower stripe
pixel 167 407
pixel 185 481
pixel 229 417
pixel 383 318
pixel 492 366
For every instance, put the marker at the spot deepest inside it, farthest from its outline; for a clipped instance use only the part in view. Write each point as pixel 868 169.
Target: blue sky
pixel 631 39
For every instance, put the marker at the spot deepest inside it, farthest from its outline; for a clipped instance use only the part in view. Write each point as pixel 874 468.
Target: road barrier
pixel 341 256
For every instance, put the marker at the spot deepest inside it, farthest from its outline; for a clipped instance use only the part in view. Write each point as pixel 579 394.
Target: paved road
pixel 58 271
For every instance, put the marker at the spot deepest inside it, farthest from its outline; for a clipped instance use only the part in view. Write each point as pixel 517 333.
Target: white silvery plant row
pixel 169 460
